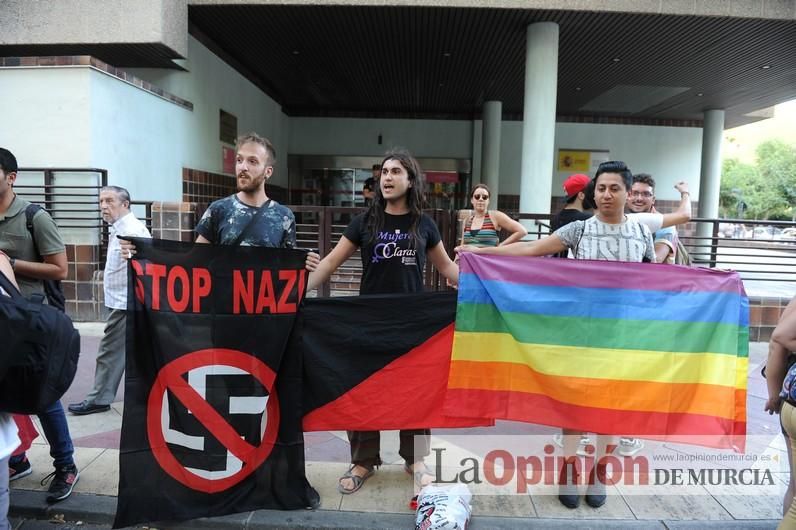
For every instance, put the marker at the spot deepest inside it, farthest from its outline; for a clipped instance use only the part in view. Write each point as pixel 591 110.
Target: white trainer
pixel 630 446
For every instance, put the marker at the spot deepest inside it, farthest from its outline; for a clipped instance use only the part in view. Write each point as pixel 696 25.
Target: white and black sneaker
pixel 64 480
pixel 19 469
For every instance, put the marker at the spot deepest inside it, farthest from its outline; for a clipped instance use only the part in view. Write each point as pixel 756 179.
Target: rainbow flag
pixel 648 350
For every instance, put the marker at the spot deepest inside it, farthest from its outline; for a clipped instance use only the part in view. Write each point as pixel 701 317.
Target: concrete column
pixel 539 118
pixel 710 178
pixel 477 132
pixel 490 148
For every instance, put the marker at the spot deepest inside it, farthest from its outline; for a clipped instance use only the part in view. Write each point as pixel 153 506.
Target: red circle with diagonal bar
pixel 170 378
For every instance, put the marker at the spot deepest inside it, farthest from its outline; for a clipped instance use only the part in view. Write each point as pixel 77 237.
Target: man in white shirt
pixel 114 203
pixel 654 220
pixel 642 200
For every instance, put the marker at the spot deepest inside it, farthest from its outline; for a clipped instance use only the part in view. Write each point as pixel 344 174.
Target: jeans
pixel 4 495
pixel 56 430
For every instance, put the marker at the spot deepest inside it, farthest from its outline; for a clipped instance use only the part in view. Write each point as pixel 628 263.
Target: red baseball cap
pixel 575 184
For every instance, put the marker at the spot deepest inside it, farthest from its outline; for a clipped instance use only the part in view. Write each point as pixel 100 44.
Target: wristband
pixel 12 262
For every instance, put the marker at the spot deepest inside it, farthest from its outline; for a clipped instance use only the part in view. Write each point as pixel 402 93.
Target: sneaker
pixel 19 469
pixel 630 446
pixel 64 479
pixel 585 441
pixel 583 445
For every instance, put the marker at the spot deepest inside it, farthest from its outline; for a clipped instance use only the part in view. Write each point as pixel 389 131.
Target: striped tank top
pixel 486 236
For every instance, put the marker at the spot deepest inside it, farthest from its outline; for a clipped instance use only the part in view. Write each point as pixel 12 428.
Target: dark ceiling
pixel 436 62
pixel 445 62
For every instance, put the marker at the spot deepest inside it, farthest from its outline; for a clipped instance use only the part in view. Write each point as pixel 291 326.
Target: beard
pixel 251 185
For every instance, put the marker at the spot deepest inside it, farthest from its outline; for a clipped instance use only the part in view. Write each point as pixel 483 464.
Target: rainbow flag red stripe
pixel 657 351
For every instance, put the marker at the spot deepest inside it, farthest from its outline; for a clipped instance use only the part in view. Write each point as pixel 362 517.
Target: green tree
pixel 776 162
pixel 768 187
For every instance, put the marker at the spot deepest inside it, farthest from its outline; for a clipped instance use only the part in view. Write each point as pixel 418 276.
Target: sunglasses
pixel 478 197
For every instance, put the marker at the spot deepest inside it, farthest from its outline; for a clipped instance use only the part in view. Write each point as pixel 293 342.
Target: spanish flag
pixel 649 350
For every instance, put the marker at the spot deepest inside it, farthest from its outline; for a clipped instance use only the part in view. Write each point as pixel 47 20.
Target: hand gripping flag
pixel 656 351
pixel 212 414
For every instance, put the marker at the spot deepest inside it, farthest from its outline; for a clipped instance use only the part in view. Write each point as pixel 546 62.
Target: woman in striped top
pixel 481 229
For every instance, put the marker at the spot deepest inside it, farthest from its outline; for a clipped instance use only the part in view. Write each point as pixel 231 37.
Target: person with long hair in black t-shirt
pixel 395 237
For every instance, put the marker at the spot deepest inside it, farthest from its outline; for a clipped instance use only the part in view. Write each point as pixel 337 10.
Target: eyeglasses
pixel 645 194
pixel 478 197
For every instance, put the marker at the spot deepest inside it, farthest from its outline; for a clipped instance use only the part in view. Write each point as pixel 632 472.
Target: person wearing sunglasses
pixel 482 228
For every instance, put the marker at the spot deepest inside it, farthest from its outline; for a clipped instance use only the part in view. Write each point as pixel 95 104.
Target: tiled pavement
pixel 96 439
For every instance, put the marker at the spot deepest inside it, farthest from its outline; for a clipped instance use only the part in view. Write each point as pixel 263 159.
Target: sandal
pixel 358 480
pixel 418 475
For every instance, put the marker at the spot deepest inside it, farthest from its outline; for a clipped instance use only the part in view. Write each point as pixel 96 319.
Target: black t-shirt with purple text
pixel 393 262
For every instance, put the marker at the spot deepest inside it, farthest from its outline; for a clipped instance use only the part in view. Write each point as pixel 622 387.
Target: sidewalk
pixel 383 501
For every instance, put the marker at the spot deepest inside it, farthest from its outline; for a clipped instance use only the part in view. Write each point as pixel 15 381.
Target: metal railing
pixel 320 228
pixel 758 250
pixel 755 257
pixel 762 251
pixel 71 196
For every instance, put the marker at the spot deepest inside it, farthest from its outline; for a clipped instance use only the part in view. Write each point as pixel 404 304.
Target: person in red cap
pixel 580 201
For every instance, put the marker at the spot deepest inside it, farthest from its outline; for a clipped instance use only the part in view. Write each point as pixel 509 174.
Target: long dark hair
pixel 415 196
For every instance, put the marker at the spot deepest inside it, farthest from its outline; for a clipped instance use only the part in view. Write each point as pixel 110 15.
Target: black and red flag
pixel 378 362
pixel 212 416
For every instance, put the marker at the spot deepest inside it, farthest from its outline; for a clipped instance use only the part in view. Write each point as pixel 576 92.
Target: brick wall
pixel 764 314
pixel 205 187
pixel 175 220
pixel 83 284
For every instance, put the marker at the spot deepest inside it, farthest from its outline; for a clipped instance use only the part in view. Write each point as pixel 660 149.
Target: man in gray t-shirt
pixel 594 239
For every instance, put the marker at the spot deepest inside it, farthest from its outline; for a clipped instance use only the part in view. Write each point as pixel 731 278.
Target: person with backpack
pixel 8 429
pixel 37 255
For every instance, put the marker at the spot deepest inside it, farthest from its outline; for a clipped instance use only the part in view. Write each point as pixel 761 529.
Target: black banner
pixel 212 415
pixel 378 362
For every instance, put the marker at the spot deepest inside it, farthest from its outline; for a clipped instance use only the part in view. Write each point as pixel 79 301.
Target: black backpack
pixel 39 352
pixel 52 288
